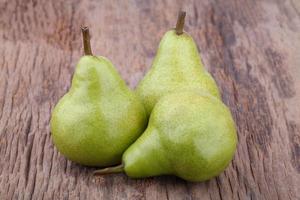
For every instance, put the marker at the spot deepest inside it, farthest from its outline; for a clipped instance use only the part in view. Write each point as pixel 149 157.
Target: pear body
pixel 177 66
pixel 190 135
pixel 99 117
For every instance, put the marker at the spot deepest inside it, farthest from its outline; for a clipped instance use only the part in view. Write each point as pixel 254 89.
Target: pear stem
pixel 109 170
pixel 86 41
pixel 180 23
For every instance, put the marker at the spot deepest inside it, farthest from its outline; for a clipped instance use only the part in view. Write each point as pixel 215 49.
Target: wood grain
pixel 251 47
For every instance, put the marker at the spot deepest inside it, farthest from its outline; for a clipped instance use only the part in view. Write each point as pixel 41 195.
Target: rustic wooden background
pixel 251 47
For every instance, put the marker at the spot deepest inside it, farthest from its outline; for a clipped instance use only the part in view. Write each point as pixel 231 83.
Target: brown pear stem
pixel 180 22
pixel 109 170
pixel 86 41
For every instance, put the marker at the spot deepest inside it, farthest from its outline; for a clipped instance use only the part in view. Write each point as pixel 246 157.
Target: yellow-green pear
pixel 177 66
pixel 190 135
pixel 99 117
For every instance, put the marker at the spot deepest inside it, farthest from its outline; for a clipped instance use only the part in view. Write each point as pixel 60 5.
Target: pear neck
pixel 110 170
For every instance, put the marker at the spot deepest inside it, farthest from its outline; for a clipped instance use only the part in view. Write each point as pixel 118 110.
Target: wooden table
pixel 251 47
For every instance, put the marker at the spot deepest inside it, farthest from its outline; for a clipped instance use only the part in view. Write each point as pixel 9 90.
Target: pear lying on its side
pixel 99 117
pixel 177 66
pixel 190 135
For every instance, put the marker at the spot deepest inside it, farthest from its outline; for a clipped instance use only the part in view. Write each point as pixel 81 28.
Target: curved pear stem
pixel 180 22
pixel 86 41
pixel 109 170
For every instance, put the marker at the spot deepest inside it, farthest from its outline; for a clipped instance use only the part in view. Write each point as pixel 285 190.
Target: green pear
pixel 190 135
pixel 99 117
pixel 176 66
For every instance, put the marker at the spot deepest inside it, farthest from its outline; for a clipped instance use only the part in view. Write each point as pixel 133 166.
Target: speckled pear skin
pixel 95 122
pixel 176 66
pixel 189 135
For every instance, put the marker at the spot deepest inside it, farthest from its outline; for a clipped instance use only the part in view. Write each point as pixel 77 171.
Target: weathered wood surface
pixel 251 47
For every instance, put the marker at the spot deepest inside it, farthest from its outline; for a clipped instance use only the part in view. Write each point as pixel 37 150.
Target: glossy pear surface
pixel 189 135
pixel 177 66
pixel 95 122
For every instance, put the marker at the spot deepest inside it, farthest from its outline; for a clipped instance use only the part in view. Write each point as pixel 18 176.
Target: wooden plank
pixel 251 47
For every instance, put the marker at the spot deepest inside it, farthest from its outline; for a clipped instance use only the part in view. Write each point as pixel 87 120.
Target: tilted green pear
pixel 190 135
pixel 99 117
pixel 176 66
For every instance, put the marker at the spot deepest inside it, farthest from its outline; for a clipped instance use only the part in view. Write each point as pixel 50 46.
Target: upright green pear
pixel 99 117
pixel 190 135
pixel 176 66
